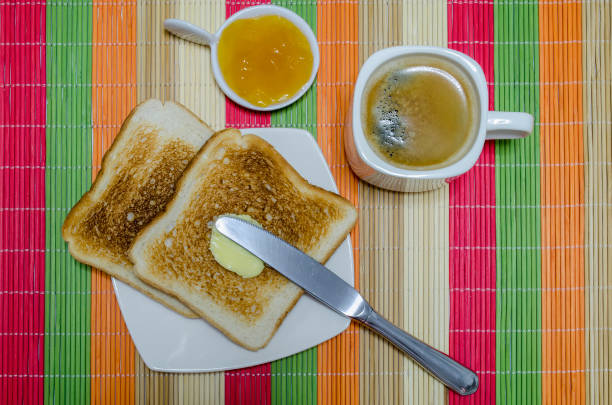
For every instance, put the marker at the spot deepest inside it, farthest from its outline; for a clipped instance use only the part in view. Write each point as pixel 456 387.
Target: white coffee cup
pixel 370 167
pixel 200 36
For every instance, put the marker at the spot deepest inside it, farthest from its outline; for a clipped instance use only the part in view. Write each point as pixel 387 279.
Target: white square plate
pixel 169 342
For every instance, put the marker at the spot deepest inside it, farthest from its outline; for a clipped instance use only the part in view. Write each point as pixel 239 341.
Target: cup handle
pixel 188 31
pixel 508 125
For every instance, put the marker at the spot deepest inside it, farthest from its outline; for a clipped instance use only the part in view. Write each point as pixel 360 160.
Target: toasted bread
pixel 138 177
pixel 236 174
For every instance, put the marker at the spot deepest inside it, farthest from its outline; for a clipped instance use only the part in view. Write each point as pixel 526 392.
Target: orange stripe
pixel 338 359
pixel 113 96
pixel 562 198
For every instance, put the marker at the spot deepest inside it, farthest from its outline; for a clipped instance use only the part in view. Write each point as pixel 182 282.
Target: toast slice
pixel 236 174
pixel 138 177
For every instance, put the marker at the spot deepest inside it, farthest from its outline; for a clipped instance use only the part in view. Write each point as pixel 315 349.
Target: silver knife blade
pixel 334 292
pixel 303 270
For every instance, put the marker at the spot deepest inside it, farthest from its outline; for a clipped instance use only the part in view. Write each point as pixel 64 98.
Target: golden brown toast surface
pixel 251 183
pixel 235 174
pixel 138 192
pixel 138 178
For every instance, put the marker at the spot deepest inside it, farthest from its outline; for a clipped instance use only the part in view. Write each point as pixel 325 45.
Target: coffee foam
pixel 392 127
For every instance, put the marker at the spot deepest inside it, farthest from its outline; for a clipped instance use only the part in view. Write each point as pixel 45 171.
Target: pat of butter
pixel 233 256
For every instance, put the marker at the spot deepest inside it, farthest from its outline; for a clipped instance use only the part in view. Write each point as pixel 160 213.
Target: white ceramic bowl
pixel 195 34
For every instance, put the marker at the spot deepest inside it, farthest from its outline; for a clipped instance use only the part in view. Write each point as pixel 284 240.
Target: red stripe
pixel 238 117
pixel 472 222
pixel 22 202
pixel 249 385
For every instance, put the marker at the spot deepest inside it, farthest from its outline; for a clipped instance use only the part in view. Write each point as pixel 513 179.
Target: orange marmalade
pixel 265 60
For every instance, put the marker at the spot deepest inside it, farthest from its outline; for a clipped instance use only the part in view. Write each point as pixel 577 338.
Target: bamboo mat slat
pixel 381 370
pixel 337 33
pixel 68 177
pixel 562 200
pixel 22 205
pixel 472 220
pixel 517 174
pixel 426 234
pixel 507 267
pixel 597 114
pixel 113 97
pixel 402 233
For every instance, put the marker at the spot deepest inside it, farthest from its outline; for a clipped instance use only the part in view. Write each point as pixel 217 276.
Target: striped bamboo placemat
pixel 507 268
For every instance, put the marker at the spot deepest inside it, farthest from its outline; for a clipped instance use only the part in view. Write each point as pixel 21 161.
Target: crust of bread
pixel 163 135
pixel 186 271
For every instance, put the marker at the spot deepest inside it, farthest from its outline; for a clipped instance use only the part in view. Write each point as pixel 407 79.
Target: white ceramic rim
pixel 464 62
pixel 257 11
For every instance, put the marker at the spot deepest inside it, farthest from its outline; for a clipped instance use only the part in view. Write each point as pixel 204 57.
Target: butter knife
pixel 331 290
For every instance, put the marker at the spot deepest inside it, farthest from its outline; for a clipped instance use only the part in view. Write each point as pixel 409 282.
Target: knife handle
pixel 452 374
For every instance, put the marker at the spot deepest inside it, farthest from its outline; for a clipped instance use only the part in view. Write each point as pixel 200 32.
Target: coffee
pixel 420 112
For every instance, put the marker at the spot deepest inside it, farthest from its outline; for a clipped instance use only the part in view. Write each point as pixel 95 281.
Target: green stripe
pixel 294 379
pixel 518 347
pixel 68 177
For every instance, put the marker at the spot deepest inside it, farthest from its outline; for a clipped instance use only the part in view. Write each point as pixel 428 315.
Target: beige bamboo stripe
pixel 597 65
pixel 172 69
pixel 167 388
pixel 382 283
pixel 381 229
pixel 424 23
pixel 426 239
pixel 404 237
pixel 427 233
pixel 426 285
pixel 198 89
